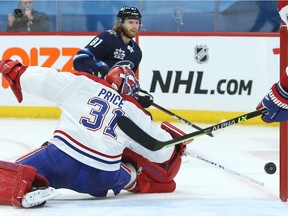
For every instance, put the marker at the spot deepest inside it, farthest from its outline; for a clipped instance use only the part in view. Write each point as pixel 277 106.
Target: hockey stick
pixel 144 139
pixel 215 164
pixel 179 118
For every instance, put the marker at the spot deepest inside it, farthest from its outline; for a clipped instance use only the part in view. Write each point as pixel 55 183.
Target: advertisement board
pixel 194 75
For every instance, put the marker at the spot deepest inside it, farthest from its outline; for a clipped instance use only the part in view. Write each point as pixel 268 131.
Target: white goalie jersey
pixel 87 130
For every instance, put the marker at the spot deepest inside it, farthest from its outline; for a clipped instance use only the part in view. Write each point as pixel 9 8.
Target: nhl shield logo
pixel 201 53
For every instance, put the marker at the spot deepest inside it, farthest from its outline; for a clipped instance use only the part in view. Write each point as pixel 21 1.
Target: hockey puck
pixel 270 168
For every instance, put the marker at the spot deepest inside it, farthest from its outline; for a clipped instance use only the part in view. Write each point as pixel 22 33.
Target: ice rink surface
pixel 202 189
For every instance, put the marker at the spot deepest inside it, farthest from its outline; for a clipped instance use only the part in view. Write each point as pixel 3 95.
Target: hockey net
pixel 283 156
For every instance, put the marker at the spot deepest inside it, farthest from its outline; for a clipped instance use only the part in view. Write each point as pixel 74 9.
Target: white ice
pixel 202 189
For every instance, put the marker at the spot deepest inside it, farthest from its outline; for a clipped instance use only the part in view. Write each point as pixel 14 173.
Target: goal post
pixel 283 132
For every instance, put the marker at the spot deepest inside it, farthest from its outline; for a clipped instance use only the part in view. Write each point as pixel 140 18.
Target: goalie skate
pixel 38 197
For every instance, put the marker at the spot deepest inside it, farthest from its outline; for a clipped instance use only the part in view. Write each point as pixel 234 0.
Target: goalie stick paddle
pixel 144 139
pixel 179 118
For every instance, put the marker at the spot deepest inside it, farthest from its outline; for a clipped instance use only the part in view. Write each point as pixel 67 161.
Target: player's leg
pixel 63 171
pixel 123 179
pixel 59 168
pixel 99 182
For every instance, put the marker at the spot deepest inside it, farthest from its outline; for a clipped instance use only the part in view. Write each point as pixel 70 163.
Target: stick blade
pixel 137 134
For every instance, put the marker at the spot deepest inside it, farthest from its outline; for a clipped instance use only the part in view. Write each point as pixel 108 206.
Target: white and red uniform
pixel 87 151
pixel 87 129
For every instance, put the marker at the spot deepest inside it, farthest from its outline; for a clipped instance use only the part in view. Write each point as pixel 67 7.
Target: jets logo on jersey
pixel 119 54
pixel 201 54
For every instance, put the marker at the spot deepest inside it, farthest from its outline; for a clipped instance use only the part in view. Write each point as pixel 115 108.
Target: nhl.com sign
pixel 192 81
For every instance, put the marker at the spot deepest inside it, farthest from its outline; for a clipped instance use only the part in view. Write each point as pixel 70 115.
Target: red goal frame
pixel 283 132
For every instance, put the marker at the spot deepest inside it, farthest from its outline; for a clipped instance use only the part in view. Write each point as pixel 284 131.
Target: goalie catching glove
pixel 276 101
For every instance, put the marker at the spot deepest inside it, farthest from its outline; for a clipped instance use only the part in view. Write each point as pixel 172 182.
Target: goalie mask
pixel 126 12
pixel 123 80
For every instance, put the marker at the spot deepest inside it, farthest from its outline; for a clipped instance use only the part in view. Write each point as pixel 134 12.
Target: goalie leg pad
pixel 152 177
pixel 148 185
pixel 16 180
pixel 164 172
pixel 154 170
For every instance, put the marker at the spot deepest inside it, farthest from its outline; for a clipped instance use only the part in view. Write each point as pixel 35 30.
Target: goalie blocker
pixel 154 177
pixel 17 183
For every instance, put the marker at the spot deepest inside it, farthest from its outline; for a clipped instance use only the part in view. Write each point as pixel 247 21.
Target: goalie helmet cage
pixel 283 132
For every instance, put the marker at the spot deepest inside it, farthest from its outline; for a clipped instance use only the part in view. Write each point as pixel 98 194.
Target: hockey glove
pixel 144 98
pixel 100 69
pixel 276 101
pixel 12 70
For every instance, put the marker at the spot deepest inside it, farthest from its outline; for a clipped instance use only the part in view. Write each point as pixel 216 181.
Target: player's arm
pixel 85 61
pixel 89 59
pixel 146 124
pixel 40 81
pixel 144 121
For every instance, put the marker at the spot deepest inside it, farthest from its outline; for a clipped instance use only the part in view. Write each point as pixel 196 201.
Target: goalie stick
pixel 179 118
pixel 144 139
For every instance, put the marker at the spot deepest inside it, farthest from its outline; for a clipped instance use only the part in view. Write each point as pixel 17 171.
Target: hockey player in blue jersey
pixel 88 153
pixel 112 46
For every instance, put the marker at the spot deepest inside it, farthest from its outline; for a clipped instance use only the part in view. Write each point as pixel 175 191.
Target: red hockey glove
pixel 12 70
pixel 276 101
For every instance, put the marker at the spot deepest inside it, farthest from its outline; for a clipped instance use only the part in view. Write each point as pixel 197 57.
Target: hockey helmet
pixel 123 80
pixel 126 12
